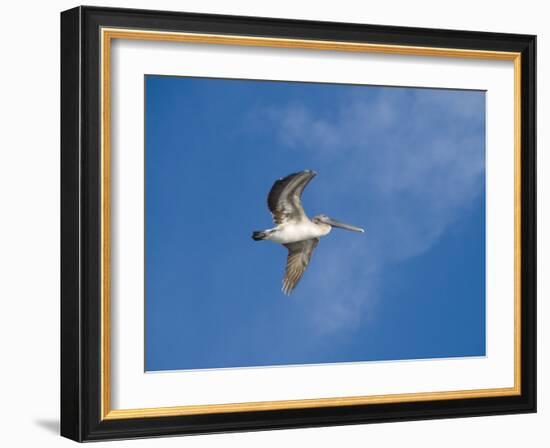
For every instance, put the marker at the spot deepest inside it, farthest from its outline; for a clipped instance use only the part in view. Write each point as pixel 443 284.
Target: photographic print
pixel 298 223
pixel 272 223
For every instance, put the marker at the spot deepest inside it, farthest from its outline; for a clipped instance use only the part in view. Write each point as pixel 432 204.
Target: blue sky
pixel 407 164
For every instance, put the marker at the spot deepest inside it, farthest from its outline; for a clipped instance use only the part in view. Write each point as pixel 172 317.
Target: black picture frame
pixel 81 224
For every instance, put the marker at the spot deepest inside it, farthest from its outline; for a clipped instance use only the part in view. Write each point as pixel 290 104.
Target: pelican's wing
pixel 299 254
pixel 284 198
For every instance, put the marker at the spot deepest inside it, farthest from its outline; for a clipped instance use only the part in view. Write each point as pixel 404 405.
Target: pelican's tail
pixel 259 235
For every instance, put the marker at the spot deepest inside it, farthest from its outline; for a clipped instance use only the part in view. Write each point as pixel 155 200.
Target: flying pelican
pixel 294 230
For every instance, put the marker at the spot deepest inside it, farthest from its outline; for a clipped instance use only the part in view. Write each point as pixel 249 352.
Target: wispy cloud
pixel 418 157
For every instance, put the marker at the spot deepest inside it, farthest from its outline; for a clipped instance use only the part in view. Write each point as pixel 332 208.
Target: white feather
pixel 293 232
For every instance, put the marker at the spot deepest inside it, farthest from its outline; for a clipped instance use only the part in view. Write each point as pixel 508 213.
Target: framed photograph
pixel 274 223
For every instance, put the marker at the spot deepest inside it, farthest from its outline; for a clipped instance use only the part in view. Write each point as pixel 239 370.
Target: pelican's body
pixel 298 233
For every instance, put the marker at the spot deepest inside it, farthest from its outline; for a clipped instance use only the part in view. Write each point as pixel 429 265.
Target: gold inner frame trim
pixel 107 35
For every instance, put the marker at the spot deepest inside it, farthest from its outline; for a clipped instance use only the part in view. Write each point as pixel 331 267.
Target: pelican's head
pixel 324 220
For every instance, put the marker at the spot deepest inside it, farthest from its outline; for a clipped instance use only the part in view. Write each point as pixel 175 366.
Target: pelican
pixel 293 229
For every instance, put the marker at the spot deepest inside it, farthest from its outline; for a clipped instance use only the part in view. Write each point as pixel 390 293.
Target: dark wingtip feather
pixel 280 185
pixel 287 289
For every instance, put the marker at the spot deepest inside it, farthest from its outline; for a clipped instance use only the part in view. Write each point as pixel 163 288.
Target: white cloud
pixel 418 156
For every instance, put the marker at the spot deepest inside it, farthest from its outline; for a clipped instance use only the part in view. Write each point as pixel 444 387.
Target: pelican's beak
pixel 343 225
